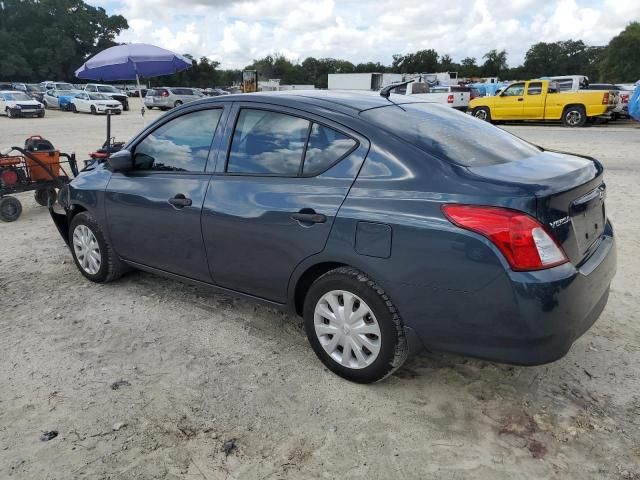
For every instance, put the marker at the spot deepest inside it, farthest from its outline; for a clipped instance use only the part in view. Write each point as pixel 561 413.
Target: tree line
pixel 50 39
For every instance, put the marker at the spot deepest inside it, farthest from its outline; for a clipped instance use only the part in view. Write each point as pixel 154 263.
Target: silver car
pixel 168 97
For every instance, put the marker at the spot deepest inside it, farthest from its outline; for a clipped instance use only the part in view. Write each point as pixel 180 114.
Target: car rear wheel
pixel 353 326
pixel 574 117
pixel 91 252
pixel 43 195
pixel 482 113
pixel 93 110
pixel 10 209
pixel 74 109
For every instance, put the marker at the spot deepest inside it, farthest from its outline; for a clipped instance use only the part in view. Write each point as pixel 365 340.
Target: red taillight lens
pixel 165 94
pixel 605 98
pixel 523 241
pixel 450 99
pixel 624 97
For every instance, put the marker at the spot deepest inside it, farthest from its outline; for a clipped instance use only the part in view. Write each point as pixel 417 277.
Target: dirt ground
pixel 147 378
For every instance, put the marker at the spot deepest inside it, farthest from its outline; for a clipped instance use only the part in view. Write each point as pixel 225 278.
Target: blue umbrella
pixel 132 61
pixel 129 62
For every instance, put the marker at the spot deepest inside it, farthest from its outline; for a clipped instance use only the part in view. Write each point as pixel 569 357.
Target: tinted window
pixel 181 145
pixel 267 143
pixel 535 88
pixel 450 135
pixel 325 147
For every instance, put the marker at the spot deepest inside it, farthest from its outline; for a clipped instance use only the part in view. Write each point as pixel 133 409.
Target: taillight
pixel 165 94
pixel 624 97
pixel 450 99
pixel 605 98
pixel 523 241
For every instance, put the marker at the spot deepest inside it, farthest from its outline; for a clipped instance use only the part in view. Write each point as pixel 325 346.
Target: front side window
pixel 515 90
pixel 180 145
pixel 268 143
pixel 325 147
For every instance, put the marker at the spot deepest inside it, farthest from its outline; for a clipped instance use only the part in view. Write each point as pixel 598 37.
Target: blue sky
pixel 235 32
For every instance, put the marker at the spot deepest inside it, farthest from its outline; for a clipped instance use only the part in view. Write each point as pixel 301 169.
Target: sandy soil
pixel 200 369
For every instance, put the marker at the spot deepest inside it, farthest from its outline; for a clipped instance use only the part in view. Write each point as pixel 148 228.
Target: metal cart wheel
pixel 42 196
pixel 10 209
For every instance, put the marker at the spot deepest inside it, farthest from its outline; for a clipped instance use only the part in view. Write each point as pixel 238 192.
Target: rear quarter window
pixel 450 135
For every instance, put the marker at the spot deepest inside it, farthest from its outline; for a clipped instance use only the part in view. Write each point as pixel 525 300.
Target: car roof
pixel 347 101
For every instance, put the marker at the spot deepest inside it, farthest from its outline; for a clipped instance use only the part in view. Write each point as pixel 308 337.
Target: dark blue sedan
pixel 391 225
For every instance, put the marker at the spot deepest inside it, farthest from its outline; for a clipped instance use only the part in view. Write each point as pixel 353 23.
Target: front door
pixel 153 212
pixel 509 103
pixel 272 202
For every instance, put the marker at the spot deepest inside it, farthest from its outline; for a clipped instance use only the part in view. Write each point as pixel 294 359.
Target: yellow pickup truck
pixel 540 100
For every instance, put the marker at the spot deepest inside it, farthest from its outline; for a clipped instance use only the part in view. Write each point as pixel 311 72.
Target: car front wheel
pixel 353 326
pixel 91 251
pixel 482 113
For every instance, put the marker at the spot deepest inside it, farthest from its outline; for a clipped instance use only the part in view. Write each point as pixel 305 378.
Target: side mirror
pixel 120 161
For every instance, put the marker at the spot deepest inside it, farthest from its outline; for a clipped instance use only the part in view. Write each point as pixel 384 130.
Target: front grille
pixel 28 107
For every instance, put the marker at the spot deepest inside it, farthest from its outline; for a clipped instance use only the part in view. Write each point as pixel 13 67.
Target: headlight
pixel 17 107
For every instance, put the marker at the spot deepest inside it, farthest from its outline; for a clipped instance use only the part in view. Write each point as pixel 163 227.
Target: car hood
pixel 13 103
pixel 105 103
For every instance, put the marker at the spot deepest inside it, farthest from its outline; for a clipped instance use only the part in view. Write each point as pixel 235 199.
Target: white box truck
pixel 355 81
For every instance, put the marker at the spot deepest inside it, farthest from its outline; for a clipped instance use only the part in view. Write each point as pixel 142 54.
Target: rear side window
pixel 535 88
pixel 180 145
pixel 450 135
pixel 268 143
pixel 325 147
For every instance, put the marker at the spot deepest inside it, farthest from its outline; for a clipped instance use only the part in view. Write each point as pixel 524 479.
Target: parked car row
pixel 165 98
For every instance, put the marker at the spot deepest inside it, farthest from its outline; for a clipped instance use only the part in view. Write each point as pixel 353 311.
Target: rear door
pixel 153 212
pixel 274 196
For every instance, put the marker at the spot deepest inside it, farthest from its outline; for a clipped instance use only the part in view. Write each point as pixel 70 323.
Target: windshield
pixel 108 89
pixel 450 135
pixel 99 96
pixel 64 86
pixel 35 88
pixel 16 96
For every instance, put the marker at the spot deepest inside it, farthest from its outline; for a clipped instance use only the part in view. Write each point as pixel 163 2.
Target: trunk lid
pixel 569 192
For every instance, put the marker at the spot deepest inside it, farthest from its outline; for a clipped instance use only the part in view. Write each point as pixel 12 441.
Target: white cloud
pixel 236 32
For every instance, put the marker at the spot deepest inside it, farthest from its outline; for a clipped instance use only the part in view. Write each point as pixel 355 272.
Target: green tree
pixel 42 39
pixel 469 68
pixel 495 63
pixel 621 58
pixel 423 61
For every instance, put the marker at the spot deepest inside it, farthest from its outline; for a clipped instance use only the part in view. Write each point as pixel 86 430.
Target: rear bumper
pixel 537 321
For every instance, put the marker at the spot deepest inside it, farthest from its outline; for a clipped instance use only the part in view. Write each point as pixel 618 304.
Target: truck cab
pixel 542 100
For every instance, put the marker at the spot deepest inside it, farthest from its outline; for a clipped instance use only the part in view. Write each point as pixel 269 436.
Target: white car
pixel 19 104
pixel 95 103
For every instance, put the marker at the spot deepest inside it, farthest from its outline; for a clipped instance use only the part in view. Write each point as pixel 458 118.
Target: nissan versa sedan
pixel 390 224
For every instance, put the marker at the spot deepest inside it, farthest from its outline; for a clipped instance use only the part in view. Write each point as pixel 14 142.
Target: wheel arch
pixel 570 105
pixel 306 279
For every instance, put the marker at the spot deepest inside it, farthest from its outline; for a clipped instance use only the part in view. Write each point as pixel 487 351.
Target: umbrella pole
pixel 140 93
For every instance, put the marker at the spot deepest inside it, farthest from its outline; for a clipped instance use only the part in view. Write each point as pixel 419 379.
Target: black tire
pixel 125 107
pixel 43 195
pixel 93 110
pixel 149 108
pixel 574 116
pixel 393 343
pixel 41 114
pixel 177 104
pixel 74 109
pixel 482 113
pixel 10 209
pixel 10 113
pixel 111 267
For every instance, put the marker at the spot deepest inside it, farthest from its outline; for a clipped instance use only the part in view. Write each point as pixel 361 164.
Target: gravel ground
pixel 147 378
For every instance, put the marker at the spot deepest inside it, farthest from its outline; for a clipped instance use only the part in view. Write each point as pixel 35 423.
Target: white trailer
pixel 355 81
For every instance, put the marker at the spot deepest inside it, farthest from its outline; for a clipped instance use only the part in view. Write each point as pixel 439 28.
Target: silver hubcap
pixel 481 114
pixel 574 117
pixel 347 329
pixel 87 250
